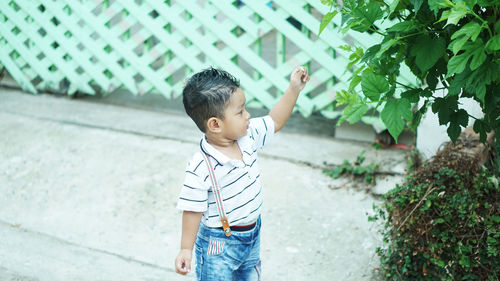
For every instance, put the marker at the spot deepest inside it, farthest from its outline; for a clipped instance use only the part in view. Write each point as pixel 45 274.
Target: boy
pixel 216 103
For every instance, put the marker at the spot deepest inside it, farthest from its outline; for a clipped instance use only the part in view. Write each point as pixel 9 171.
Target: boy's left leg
pixel 250 269
pixel 249 273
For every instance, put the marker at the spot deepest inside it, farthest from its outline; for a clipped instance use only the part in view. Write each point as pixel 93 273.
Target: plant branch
pixel 410 35
pixel 443 80
pixel 416 206
pixel 483 22
pixel 470 116
pixel 406 86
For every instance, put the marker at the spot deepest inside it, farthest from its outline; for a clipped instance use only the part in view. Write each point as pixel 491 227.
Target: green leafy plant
pixel 355 169
pixel 451 46
pixel 443 223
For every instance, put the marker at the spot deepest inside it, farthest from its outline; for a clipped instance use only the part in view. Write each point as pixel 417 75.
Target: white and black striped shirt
pixel 238 180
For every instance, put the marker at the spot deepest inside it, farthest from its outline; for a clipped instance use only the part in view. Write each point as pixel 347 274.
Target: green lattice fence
pixel 151 46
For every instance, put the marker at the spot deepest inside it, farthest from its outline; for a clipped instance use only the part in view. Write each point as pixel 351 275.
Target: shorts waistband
pixel 238 232
pixel 240 227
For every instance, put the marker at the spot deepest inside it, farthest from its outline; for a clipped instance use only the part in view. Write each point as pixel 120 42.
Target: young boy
pixel 216 103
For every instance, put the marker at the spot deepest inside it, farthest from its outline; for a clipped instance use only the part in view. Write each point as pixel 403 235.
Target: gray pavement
pixel 88 192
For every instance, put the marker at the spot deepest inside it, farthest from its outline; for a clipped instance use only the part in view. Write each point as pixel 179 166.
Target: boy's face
pixel 236 117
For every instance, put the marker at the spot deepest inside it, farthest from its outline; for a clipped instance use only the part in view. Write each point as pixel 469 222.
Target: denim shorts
pixel 236 257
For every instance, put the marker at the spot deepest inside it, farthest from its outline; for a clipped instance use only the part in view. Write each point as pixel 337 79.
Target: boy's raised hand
pixel 299 78
pixel 283 109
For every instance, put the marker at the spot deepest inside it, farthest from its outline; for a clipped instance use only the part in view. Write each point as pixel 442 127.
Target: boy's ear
pixel 214 125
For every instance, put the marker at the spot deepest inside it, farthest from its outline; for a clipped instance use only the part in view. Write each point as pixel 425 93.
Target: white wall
pixel 430 135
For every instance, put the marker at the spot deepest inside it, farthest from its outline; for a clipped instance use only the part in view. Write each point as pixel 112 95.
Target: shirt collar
pixel 220 157
pixel 212 151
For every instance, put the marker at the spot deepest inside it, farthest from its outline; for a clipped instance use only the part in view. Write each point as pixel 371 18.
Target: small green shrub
pixel 443 223
pixel 355 169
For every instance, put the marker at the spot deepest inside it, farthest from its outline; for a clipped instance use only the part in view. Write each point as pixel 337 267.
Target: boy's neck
pixel 228 147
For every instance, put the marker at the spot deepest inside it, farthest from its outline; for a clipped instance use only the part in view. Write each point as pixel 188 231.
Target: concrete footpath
pixel 88 192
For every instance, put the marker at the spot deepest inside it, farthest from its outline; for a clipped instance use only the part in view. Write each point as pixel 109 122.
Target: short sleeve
pixel 261 131
pixel 194 191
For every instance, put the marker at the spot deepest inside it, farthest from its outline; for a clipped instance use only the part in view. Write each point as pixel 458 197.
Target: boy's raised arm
pixel 283 109
pixel 190 224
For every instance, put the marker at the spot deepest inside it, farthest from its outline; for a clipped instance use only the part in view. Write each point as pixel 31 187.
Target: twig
pixel 418 205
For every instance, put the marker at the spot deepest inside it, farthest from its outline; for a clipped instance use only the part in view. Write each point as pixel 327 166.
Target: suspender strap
pixel 218 196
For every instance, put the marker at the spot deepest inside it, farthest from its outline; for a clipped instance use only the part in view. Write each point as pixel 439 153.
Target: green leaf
pixel 417 116
pixel 356 79
pixel 344 97
pixel 345 48
pixel 428 204
pixel 444 107
pixel 393 113
pixel 327 2
pixel 494 43
pixel 470 30
pixel 385 46
pixel 481 128
pixel 479 56
pixel 350 4
pixel 478 79
pixel 373 85
pixel 480 92
pixel 454 131
pixel 461 36
pixel 326 20
pixel 393 6
pixel 487 3
pixel 426 93
pixel 416 4
pixel 353 113
pixel 354 58
pixel 373 12
pixel 457 83
pixel 404 26
pixel 432 79
pixel 457 119
pixel 365 16
pixel 440 263
pixel 344 18
pixel 444 16
pixel 411 95
pixel 456 13
pixel 428 51
pixel 470 3
pixel 460 117
pixel 370 52
pixel 464 261
pixel 457 63
pixel 457 44
pixel 435 5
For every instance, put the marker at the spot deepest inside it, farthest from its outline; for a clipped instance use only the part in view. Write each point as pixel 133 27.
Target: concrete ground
pixel 88 192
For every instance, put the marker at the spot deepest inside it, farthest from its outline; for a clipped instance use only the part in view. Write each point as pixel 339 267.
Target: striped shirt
pixel 239 181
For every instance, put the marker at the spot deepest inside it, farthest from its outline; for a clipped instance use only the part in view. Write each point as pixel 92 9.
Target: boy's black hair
pixel 207 94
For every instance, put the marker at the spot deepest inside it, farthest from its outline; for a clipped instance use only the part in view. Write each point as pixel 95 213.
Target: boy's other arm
pixel 190 224
pixel 283 109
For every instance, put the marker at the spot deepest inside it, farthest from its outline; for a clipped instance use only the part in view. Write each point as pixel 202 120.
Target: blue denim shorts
pixel 228 258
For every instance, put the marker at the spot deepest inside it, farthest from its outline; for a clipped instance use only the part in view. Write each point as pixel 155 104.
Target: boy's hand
pixel 299 78
pixel 183 261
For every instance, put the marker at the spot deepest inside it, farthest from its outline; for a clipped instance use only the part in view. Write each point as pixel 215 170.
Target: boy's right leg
pixel 211 263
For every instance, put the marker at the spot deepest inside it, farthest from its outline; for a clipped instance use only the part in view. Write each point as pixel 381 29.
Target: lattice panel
pixel 152 46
